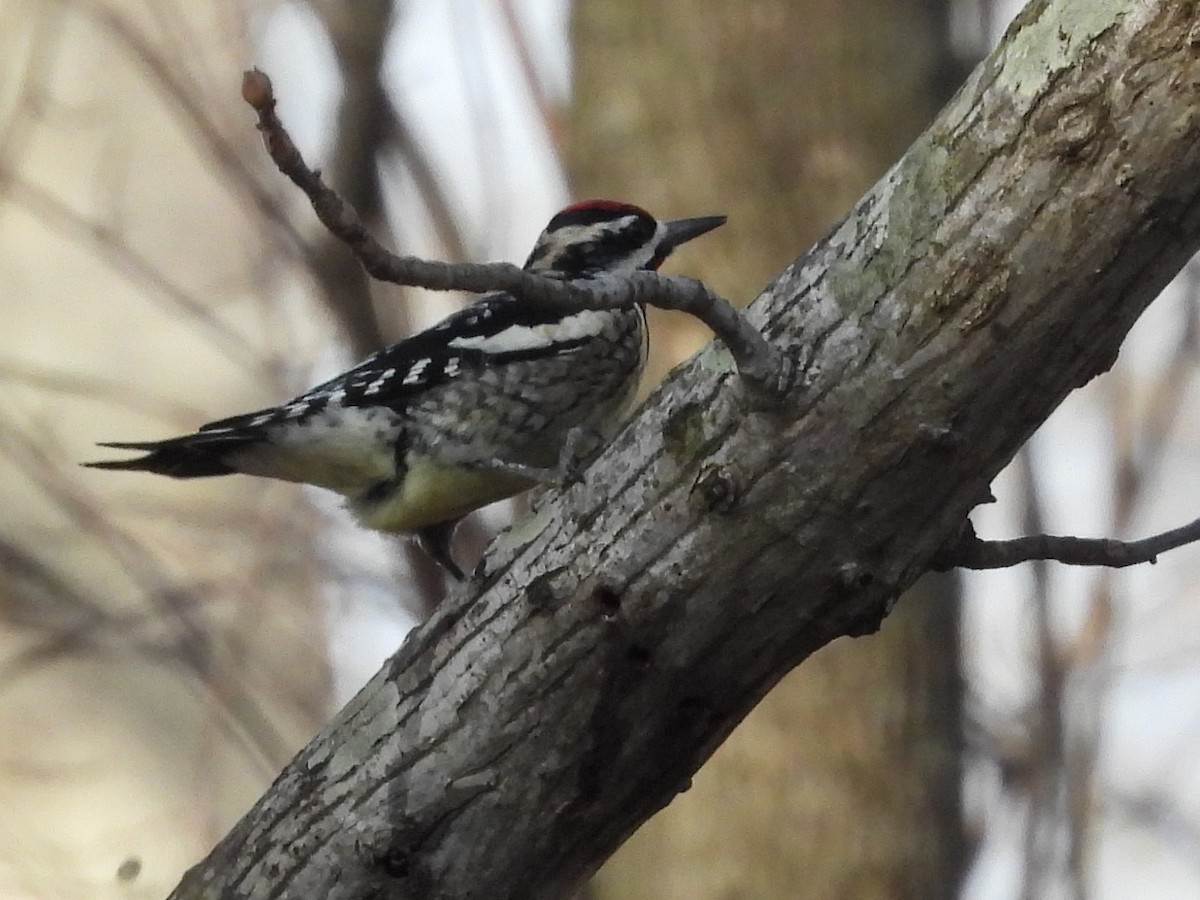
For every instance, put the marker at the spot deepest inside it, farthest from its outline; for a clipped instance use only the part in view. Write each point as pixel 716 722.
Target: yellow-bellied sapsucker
pixel 472 410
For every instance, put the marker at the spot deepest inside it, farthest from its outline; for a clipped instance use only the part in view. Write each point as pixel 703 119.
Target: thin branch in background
pixel 1144 443
pixel 142 567
pixel 96 388
pixel 173 601
pixel 367 121
pixel 109 245
pixel 65 620
pixel 1165 816
pixel 28 574
pixel 358 34
pixel 31 97
pixel 84 624
pixel 171 39
pixel 429 188
pixel 1062 782
pixel 428 580
pixel 547 110
pixel 35 95
pixel 194 112
pixel 237 714
pixel 1142 446
pixel 470 56
pixel 174 40
pixel 1047 727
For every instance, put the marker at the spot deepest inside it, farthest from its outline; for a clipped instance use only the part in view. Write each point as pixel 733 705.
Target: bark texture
pixel 789 111
pixel 625 626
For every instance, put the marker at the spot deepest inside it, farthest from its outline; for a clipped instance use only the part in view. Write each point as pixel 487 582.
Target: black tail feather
pixel 191 456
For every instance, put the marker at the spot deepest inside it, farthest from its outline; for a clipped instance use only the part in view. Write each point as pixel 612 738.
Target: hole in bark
pixel 393 863
pixel 640 657
pixel 541 593
pixel 853 577
pixel 716 489
pixel 608 600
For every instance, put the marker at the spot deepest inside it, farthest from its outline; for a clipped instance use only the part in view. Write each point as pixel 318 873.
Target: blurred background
pixel 166 646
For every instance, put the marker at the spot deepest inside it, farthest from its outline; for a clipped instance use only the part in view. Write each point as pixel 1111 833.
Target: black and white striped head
pixel 597 236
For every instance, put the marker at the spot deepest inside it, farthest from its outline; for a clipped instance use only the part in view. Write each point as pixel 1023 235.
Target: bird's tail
pixel 191 456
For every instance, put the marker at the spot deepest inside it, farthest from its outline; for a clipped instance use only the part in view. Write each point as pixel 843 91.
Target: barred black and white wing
pixel 452 390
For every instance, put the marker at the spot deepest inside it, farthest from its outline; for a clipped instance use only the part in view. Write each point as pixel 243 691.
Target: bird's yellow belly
pixel 432 493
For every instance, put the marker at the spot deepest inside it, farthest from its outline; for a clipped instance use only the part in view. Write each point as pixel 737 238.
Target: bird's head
pixel 600 236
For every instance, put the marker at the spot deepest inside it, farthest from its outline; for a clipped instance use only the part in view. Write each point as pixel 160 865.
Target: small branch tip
pixel 257 89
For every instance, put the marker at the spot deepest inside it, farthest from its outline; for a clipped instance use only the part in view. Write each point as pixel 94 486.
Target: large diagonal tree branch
pixel 623 628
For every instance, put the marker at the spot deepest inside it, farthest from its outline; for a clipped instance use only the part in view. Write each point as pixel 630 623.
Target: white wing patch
pixel 584 324
pixel 374 386
pixel 514 337
pixel 415 371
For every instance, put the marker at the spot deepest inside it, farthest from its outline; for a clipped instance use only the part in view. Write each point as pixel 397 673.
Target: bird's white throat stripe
pixel 584 324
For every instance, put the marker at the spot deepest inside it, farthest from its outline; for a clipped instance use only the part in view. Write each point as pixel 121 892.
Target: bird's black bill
pixel 682 230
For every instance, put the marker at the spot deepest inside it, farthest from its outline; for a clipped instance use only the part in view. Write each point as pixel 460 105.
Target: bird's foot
pixel 435 541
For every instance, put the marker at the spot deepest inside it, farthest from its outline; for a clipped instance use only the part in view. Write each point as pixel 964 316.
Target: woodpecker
pixel 477 408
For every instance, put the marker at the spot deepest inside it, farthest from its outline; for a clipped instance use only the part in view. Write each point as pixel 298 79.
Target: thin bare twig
pixel 92 387
pixel 166 76
pixel 534 83
pixel 1046 713
pixel 419 167
pixel 970 552
pixel 358 34
pixel 760 364
pixel 125 259
pixel 175 603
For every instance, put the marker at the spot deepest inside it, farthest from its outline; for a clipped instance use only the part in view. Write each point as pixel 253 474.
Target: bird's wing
pixel 465 341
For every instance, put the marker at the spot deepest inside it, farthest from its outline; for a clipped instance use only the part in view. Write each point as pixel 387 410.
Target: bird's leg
pixel 435 541
pixel 580 447
pixel 583 444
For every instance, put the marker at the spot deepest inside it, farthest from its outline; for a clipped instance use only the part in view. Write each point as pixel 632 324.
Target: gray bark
pixel 626 625
pixel 849 800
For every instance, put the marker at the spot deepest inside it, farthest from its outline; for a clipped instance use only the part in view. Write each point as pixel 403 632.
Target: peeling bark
pixel 626 625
